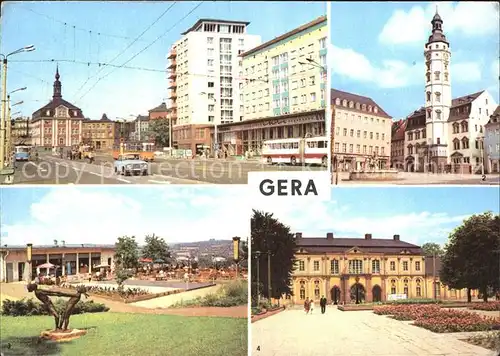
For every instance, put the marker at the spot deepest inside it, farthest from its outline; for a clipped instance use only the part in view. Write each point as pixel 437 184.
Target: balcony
pixel 172 84
pixel 172 53
pixel 172 75
pixel 172 64
pixel 173 95
pixel 173 105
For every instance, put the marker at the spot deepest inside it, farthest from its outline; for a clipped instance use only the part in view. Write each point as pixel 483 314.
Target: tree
pixel 244 254
pixel 431 248
pixel 156 248
pixel 269 234
pixel 472 254
pixel 160 131
pixel 127 252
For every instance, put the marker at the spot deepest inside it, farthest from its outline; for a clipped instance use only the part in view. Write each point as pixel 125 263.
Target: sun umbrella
pixel 46 265
pixel 159 260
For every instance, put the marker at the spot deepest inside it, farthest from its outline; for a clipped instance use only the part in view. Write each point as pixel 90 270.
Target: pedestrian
pixel 311 306
pixel 322 303
pixel 307 306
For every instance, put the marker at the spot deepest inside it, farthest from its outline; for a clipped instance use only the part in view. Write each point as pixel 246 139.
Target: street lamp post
pixel 269 287
pixel 4 101
pixel 257 256
pixel 236 253
pixel 8 141
pixel 29 252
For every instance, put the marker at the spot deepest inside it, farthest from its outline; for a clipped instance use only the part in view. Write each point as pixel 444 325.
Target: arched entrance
pixel 377 293
pixel 335 294
pixel 357 293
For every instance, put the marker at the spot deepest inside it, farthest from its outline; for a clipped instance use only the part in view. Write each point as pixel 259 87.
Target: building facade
pixel 398 144
pixel 159 112
pixel 342 269
pixel 141 131
pixel 20 131
pixel 283 91
pixel 57 124
pixel 492 142
pixel 362 132
pixel 71 259
pixel 204 90
pixel 99 134
pixel 446 134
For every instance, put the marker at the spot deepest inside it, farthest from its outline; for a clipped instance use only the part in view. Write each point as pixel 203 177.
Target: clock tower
pixel 437 94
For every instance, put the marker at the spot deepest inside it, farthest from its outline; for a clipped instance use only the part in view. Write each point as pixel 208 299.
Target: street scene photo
pixel 123 271
pixel 415 93
pixel 186 93
pixel 378 271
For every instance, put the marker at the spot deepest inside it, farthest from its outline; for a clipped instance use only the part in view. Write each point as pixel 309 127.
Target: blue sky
pixel 100 215
pixel 382 57
pixel 80 214
pixel 419 215
pixel 125 91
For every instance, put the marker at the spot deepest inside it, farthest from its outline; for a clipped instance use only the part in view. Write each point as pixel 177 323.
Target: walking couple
pixel 309 305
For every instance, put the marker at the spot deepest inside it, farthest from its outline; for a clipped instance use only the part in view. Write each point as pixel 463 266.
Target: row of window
pixel 358 134
pixel 356 266
pixel 417 134
pixel 351 105
pixel 371 149
pixel 365 121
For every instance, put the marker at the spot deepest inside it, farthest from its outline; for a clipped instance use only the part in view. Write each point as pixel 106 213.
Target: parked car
pixel 131 164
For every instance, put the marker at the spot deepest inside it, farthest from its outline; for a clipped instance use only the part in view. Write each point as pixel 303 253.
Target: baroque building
pixel 372 270
pixel 445 134
pixel 59 123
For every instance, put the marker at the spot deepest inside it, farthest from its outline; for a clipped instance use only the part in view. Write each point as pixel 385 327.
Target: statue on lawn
pixel 61 320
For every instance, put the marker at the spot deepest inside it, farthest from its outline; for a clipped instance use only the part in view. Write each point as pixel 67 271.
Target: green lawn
pixel 128 334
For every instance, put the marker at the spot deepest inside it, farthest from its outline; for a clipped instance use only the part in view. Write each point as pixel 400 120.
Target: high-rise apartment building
pixel 203 87
pixel 283 94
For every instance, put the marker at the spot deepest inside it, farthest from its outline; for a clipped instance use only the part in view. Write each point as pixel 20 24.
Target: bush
pixel 488 306
pixel 28 307
pixel 110 291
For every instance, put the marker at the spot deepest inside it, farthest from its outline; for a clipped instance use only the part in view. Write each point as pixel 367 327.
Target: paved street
pixel 54 170
pixel 409 178
pixel 292 333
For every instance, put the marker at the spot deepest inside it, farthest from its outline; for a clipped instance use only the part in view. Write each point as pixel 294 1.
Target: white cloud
pixel 495 69
pixel 78 215
pixel 467 18
pixel 392 73
pixel 466 72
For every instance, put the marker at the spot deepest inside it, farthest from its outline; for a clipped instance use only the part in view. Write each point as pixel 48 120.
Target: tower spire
pixel 57 85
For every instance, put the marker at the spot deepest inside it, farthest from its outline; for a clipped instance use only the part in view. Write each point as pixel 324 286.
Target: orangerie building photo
pixel 357 270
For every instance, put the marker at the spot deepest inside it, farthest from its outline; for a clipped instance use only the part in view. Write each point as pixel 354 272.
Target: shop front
pixel 245 136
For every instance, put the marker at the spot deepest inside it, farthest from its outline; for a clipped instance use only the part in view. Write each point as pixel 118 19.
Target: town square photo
pixel 415 92
pixel 152 270
pixel 184 93
pixel 378 271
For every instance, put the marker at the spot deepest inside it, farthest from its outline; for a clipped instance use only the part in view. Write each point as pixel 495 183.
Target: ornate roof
pixel 161 108
pixel 334 244
pixel 437 30
pixel 357 99
pixel 49 110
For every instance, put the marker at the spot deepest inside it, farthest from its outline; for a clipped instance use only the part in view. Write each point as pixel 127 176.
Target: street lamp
pixel 8 141
pixel 257 256
pixel 236 253
pixel 29 252
pixel 3 119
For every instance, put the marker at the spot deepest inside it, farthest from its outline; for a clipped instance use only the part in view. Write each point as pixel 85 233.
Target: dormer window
pixel 375 109
pixel 344 102
pixel 337 101
pixel 363 107
pixel 75 113
pixel 47 113
pixel 351 104
pixel 358 106
pixel 369 108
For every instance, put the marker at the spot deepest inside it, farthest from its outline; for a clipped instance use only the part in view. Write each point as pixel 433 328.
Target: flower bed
pixel 488 306
pixel 436 319
pixel 127 295
pixel 267 313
